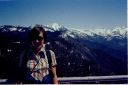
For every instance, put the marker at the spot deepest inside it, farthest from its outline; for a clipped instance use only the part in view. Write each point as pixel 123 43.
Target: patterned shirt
pixel 37 65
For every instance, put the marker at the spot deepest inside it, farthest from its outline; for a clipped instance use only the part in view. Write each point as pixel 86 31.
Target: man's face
pixel 38 41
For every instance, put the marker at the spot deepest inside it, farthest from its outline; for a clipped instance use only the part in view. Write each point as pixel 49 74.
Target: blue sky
pixel 69 13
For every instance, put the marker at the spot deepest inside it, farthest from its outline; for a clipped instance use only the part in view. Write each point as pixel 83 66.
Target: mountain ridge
pixel 83 53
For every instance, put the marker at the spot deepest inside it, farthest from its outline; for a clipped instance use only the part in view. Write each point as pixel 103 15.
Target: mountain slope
pixel 83 53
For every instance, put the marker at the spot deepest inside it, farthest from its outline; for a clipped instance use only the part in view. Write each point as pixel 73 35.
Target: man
pixel 34 63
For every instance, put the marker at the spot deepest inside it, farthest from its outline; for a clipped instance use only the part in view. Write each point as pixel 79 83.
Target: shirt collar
pixel 43 48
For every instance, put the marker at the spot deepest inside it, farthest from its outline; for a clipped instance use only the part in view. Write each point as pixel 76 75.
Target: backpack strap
pixel 49 57
pixel 48 53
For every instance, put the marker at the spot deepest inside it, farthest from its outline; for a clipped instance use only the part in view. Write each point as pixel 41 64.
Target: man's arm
pixel 54 78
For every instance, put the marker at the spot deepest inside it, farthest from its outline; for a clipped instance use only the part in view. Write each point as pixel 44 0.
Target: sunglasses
pixel 38 38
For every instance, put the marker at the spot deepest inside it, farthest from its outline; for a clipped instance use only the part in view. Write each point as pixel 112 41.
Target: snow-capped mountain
pixel 120 32
pixel 56 27
pixel 83 52
pixel 10 28
pixel 111 32
pixel 116 32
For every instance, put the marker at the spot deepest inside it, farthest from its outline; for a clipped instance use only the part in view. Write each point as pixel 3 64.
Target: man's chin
pixel 39 48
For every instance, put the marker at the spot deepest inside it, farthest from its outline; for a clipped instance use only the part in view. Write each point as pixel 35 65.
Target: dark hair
pixel 35 32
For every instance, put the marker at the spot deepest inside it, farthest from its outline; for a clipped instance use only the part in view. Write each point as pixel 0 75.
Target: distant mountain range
pixel 79 52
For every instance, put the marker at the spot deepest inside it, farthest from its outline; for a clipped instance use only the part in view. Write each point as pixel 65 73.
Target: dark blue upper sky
pixel 69 13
